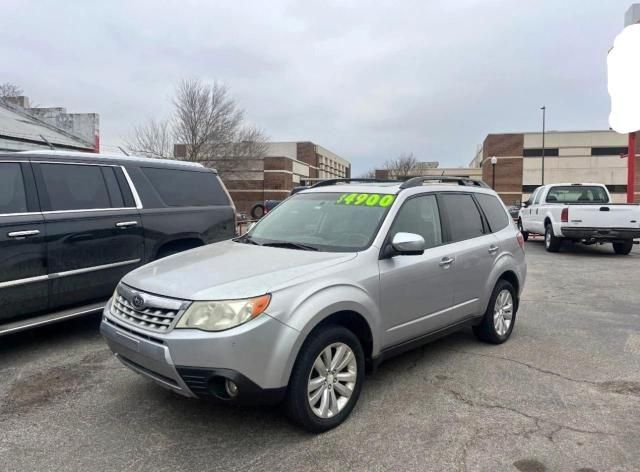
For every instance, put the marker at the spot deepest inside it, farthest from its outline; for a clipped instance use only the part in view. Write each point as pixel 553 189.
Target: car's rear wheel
pixel 326 379
pixel 257 211
pixel 525 234
pixel 623 248
pixel 551 242
pixel 498 321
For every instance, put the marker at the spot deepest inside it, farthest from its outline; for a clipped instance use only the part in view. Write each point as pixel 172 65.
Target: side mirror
pixel 526 204
pixel 408 244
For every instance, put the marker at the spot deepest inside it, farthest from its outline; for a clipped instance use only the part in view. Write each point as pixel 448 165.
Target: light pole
pixel 494 161
pixel 544 110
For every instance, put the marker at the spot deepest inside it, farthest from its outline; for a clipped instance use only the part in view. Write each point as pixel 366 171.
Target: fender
pixel 505 262
pixel 314 306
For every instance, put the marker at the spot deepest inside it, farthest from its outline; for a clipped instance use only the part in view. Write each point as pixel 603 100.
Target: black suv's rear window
pixel 178 188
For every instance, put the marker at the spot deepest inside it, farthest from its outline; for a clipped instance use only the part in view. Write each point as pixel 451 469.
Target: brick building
pixel 570 156
pixel 285 165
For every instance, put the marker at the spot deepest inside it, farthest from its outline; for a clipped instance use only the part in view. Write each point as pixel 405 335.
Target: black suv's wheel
pixel 525 234
pixel 623 248
pixel 326 379
pixel 257 211
pixel 497 323
pixel 551 242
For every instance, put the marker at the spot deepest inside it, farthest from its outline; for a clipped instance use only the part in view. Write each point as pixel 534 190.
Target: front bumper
pixel 600 234
pixel 255 356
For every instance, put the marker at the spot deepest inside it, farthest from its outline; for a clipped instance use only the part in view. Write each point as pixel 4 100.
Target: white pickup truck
pixel 579 213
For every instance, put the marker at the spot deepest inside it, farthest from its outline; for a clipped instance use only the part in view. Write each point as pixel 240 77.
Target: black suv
pixel 72 224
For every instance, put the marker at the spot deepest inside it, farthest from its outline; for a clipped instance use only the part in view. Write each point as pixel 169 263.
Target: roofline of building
pixel 21 111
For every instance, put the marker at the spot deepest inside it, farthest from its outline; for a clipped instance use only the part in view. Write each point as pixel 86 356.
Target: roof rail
pixel 465 181
pixel 326 183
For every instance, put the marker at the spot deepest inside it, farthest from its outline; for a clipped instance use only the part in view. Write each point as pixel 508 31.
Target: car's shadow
pixel 582 250
pixel 137 399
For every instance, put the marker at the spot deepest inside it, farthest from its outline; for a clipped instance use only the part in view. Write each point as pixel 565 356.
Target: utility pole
pixel 544 110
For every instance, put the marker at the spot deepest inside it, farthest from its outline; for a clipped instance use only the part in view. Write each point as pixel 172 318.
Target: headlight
pixel 221 315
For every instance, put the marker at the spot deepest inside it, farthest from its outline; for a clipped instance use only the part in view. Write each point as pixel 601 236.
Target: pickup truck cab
pixel 579 213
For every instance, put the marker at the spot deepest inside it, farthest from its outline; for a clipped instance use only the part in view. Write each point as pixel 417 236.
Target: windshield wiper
pixel 290 245
pixel 246 239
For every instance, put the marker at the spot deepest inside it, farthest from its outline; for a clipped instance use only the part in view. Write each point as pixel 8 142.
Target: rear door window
pixel 13 198
pixel 464 219
pixel 181 188
pixel 74 187
pixel 494 211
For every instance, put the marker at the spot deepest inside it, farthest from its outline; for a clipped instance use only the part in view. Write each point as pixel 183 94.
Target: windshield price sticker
pixel 366 199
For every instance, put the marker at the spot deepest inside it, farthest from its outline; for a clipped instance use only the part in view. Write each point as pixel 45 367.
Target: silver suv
pixel 333 281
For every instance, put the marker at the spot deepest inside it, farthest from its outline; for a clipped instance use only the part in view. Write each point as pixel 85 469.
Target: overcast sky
pixel 367 82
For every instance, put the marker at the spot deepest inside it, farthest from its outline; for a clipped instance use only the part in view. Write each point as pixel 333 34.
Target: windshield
pixel 577 194
pixel 335 222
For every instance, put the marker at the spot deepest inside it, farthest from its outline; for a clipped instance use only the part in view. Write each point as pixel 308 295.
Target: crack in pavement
pixel 536 419
pixel 620 387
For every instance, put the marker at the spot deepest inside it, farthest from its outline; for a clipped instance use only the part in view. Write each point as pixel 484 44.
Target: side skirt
pixel 49 318
pixel 414 343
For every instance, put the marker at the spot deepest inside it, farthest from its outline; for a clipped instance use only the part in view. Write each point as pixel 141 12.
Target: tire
pixel 257 211
pixel 491 329
pixel 298 403
pixel 551 242
pixel 623 248
pixel 525 234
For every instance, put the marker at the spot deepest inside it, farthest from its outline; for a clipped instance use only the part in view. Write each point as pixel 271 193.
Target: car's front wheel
pixel 525 234
pixel 326 379
pixel 498 321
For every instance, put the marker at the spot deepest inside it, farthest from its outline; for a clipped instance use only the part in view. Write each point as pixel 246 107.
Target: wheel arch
pixel 178 244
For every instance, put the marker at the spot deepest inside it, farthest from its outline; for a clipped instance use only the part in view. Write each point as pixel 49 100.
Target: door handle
pixel 126 224
pixel 493 249
pixel 446 261
pixel 23 234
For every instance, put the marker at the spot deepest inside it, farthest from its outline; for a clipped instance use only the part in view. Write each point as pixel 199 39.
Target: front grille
pixel 157 314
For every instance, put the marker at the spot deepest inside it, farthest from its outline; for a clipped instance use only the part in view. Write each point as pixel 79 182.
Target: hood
pixel 228 270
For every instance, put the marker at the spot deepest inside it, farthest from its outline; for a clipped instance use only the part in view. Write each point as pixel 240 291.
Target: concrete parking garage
pixel 562 394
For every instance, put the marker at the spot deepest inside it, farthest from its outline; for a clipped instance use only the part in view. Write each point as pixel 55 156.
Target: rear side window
pixel 75 187
pixel 13 198
pixel 494 211
pixel 180 188
pixel 115 195
pixel 463 216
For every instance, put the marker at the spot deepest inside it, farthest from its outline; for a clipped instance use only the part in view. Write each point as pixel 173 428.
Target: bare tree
pixel 402 166
pixel 370 174
pixel 152 139
pixel 210 125
pixel 8 89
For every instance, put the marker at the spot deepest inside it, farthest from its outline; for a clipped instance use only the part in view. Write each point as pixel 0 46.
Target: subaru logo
pixel 138 301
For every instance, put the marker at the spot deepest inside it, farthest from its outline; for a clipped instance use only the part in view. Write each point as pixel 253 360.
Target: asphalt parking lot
pixel 562 395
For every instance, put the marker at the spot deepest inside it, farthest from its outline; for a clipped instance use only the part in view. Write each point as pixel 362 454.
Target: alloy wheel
pixel 503 312
pixel 332 380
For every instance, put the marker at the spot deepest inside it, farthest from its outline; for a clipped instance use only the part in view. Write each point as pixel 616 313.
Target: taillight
pixel 520 239
pixel 564 216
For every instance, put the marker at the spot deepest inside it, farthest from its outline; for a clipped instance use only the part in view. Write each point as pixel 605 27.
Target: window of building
pixel 537 152
pixel 420 215
pixel 74 187
pixel 179 188
pixel 494 211
pixel 609 151
pixel 464 218
pixel 13 198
